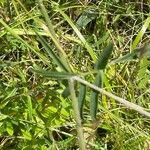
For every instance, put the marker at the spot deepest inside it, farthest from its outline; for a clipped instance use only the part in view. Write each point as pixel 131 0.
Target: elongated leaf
pixel 103 59
pixel 80 36
pixel 81 99
pixel 142 76
pixel 5 64
pixel 29 32
pixel 94 96
pixel 26 134
pixel 85 18
pixel 137 53
pixel 53 35
pixel 53 74
pixel 2 116
pixel 125 58
pixel 141 33
pixel 49 50
pixel 9 128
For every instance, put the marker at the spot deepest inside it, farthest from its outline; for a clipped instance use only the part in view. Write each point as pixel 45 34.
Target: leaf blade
pixel 53 74
pixel 103 59
pixel 94 95
pixel 49 50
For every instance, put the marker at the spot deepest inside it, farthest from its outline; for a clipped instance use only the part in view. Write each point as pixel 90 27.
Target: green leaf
pixel 6 100
pixel 103 59
pixel 11 93
pixel 9 128
pixel 94 95
pixel 2 2
pixel 49 50
pixel 81 98
pixel 4 64
pixel 53 109
pixel 85 18
pixel 76 30
pixel 127 57
pixel 53 74
pixel 142 76
pixel 66 92
pixel 141 33
pixel 2 117
pixel 137 53
pixel 53 35
pixel 143 82
pixel 64 112
pixel 26 134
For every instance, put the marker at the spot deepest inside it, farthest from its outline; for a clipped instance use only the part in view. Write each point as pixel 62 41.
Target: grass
pixel 42 46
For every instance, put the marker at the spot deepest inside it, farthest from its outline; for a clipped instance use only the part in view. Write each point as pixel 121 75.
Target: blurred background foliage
pixel 33 112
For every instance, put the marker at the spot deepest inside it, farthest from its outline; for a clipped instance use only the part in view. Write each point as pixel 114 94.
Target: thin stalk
pixel 118 99
pixel 77 115
pixel 53 34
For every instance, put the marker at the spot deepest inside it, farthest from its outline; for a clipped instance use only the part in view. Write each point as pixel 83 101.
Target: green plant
pixel 58 54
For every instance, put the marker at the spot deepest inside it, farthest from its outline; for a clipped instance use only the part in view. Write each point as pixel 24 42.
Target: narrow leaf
pixel 49 50
pixel 81 98
pixel 53 74
pixel 125 58
pixel 142 76
pixel 141 33
pixel 94 96
pixel 103 59
pixel 9 128
pixel 80 36
pixel 52 34
pixel 137 53
pixel 26 134
pixel 85 18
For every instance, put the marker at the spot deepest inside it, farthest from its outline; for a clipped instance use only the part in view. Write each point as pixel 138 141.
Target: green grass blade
pixel 137 53
pixel 53 74
pixel 5 64
pixel 85 18
pixel 53 34
pixel 18 14
pixel 103 59
pixel 81 98
pixel 80 36
pixel 19 31
pixel 142 76
pixel 125 58
pixel 49 50
pixel 29 32
pixel 141 33
pixel 94 95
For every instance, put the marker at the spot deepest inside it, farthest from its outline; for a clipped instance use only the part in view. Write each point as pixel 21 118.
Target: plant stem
pixel 120 100
pixel 77 115
pixel 53 34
